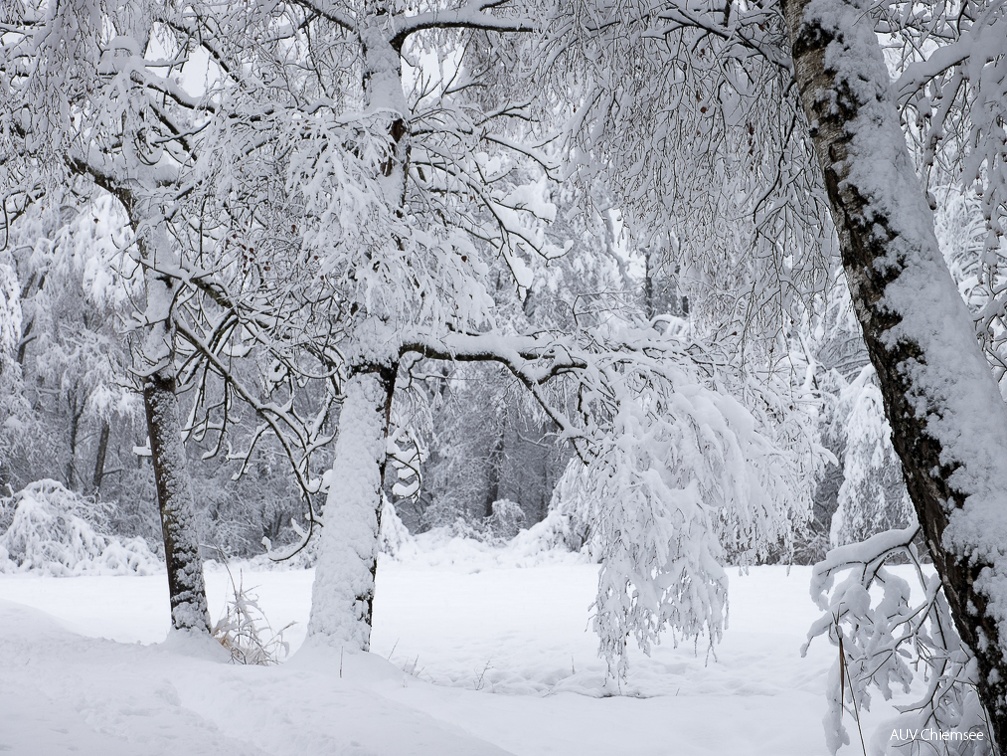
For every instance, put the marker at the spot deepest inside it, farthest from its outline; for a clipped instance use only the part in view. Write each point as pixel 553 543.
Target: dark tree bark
pixel 495 463
pixel 156 362
pixel 76 412
pixel 919 334
pixel 175 502
pixel 99 457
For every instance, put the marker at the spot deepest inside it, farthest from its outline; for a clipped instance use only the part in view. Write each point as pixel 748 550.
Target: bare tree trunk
pixel 649 310
pixel 99 457
pixel 71 464
pixel 948 420
pixel 342 597
pixel 496 463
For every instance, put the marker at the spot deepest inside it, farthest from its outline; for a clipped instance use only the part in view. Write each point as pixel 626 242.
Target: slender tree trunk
pixel 342 597
pixel 71 463
pixel 26 338
pixel 496 461
pixel 649 310
pixel 99 457
pixel 175 502
pixel 948 420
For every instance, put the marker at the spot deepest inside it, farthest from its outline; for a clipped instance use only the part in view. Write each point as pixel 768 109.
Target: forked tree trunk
pixel 342 597
pixel 948 420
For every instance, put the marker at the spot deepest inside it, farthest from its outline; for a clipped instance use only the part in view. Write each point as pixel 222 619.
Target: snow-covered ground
pixel 474 652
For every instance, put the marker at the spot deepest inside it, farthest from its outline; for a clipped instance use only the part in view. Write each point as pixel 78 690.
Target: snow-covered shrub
pixel 245 632
pixel 395 537
pixel 893 634
pixel 56 531
pixel 573 513
pixel 506 521
pixel 442 512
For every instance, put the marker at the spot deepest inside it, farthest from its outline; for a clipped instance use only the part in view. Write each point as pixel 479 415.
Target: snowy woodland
pixel 643 315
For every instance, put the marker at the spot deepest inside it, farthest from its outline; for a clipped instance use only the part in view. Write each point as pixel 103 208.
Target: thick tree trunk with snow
pixel 948 420
pixel 342 597
pixel 176 505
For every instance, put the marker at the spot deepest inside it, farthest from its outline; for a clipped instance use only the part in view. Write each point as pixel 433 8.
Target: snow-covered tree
pixel 946 413
pixel 675 98
pixel 94 102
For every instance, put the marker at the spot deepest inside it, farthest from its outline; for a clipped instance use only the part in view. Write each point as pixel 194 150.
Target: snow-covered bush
pixel 395 536
pixel 891 634
pixel 56 531
pixel 507 520
pixel 245 632
pixel 571 518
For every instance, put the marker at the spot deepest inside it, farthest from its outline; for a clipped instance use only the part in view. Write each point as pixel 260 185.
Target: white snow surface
pixel 476 651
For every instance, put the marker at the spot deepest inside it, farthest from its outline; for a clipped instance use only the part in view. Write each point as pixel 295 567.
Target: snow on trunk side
pixel 948 420
pixel 342 595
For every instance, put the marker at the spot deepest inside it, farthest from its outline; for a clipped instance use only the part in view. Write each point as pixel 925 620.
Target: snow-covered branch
pixel 471 15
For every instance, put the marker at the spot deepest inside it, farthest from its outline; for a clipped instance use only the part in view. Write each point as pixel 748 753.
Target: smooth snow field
pixel 474 653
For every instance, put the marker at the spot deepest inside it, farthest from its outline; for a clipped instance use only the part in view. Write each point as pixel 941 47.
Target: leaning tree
pixel 674 99
pixel 948 418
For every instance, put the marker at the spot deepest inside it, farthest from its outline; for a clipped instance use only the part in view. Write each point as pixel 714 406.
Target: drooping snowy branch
pixel 890 627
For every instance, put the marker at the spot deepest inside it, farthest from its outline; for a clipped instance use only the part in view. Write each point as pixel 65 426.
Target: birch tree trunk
pixel 948 420
pixel 342 596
